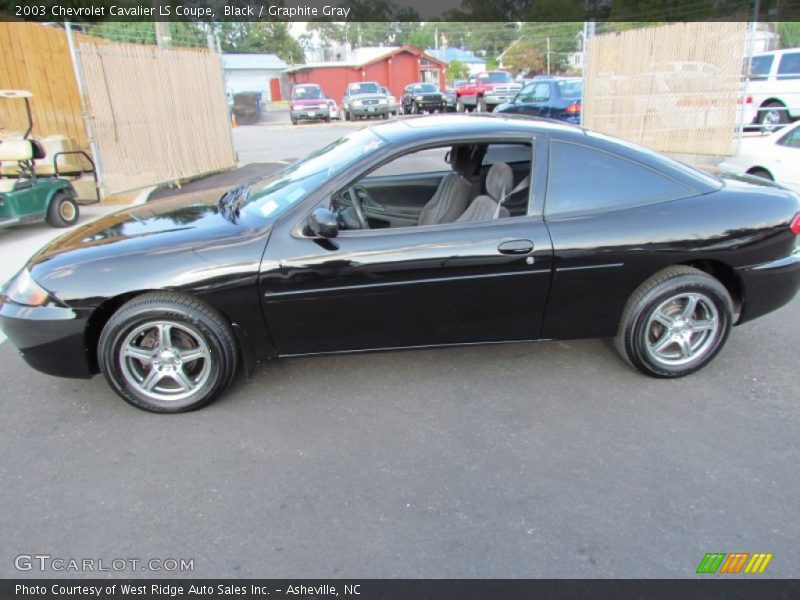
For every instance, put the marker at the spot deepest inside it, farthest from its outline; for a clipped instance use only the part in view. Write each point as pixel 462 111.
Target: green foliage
pixel 457 70
pixel 789 32
pixel 253 38
pixel 564 39
pixel 524 57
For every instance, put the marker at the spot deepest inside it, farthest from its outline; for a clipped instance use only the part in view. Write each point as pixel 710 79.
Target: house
pixel 253 73
pixel 391 66
pixel 476 64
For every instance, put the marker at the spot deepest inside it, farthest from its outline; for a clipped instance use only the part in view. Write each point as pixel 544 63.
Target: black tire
pixel 327 119
pixel 414 108
pixel 63 211
pixel 460 107
pixel 772 116
pixel 385 116
pixel 762 173
pixel 188 317
pixel 347 115
pixel 638 324
pixel 481 106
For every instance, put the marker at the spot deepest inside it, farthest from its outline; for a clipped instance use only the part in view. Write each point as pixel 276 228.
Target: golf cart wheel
pixel 63 211
pixel 168 353
pixel 675 322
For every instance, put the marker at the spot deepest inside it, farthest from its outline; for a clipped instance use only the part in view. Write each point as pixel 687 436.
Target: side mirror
pixel 323 223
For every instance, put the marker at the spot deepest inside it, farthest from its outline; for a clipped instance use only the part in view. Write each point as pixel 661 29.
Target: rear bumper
pixel 49 338
pixel 769 286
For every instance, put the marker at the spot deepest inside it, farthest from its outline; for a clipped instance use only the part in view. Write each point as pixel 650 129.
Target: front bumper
pixel 310 115
pixel 51 339
pixel 369 111
pixel 769 286
pixel 432 105
pixel 495 99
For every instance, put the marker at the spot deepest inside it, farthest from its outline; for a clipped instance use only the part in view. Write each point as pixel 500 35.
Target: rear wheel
pixel 166 352
pixel 294 121
pixel 63 211
pixel 763 173
pixel 772 116
pixel 347 115
pixel 675 322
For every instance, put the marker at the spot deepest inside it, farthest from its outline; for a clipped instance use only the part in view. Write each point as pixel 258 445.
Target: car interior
pixel 458 183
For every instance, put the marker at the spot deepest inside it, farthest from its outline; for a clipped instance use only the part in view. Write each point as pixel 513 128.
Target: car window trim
pixel 392 151
pixel 691 191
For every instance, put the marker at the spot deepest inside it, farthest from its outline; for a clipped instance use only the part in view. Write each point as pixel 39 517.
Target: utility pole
pixel 436 38
pixel 163 37
pixel 548 55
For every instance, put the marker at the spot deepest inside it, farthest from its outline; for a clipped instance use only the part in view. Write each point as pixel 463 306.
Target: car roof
pixel 777 52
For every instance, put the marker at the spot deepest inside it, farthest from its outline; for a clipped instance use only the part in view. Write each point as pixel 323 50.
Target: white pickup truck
pixel 772 97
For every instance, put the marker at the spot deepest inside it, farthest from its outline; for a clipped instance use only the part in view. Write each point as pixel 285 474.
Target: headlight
pixel 297 107
pixel 24 290
pixel 383 101
pixel 419 98
pixel 358 102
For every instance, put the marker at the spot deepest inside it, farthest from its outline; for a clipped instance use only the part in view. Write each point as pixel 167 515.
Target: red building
pixel 393 68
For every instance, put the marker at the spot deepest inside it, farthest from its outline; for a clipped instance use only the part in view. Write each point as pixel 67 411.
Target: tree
pixel 457 70
pixel 563 40
pixel 523 57
pixel 790 34
pixel 253 38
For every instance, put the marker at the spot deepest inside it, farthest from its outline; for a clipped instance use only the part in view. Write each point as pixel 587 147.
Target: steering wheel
pixel 355 200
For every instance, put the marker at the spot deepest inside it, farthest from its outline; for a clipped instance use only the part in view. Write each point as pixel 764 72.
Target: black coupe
pixel 427 231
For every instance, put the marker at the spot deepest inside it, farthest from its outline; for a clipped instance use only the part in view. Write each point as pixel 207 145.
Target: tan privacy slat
pixel 672 88
pixel 36 58
pixel 158 115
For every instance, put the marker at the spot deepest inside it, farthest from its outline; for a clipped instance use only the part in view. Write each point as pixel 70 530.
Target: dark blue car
pixel 554 98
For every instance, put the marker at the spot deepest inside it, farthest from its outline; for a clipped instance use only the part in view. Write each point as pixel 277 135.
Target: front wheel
pixel 481 106
pixel 675 322
pixel 347 115
pixel 63 211
pixel 167 353
pixel 460 106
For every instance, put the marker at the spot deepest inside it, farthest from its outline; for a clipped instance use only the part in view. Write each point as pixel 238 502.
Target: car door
pixel 536 104
pixel 413 286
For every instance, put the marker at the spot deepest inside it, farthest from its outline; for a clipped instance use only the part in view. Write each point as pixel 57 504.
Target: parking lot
pixel 552 459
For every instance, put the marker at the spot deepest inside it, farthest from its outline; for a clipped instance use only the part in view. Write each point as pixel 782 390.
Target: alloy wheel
pixel 682 329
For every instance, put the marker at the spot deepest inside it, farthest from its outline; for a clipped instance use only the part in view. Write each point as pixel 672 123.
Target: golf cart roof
pixel 15 94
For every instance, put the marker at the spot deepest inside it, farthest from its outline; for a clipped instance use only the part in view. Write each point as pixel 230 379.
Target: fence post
pixel 751 34
pixel 87 117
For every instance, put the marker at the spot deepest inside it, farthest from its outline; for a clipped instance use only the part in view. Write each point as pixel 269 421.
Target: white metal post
pixel 87 117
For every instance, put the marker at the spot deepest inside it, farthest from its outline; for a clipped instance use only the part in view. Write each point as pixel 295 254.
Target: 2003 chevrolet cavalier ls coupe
pixel 421 232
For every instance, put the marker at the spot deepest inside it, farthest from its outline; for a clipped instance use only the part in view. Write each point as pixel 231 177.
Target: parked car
pixel 426 231
pixel 394 108
pixel 555 98
pixel 308 103
pixel 422 97
pixel 334 111
pixel 486 90
pixel 775 157
pixel 364 100
pixel 449 99
pixel 772 97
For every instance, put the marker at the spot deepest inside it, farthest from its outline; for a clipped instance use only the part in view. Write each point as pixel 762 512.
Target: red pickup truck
pixel 486 90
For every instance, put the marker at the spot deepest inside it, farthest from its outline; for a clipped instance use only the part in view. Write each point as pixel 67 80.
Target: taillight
pixel 795 224
pixel 573 108
pixel 748 100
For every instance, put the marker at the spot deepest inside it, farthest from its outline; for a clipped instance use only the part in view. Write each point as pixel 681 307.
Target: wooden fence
pixel 36 58
pixel 673 88
pixel 157 115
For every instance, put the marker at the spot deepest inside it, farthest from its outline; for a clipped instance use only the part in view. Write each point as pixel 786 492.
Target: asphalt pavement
pixel 525 460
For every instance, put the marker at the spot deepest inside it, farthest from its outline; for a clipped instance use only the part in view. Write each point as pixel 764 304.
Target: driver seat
pixel 454 191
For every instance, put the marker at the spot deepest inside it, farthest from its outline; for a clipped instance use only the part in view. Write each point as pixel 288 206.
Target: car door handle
pixel 516 247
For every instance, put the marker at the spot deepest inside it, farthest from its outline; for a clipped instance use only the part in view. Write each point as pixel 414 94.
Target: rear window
pixel 584 179
pixel 789 67
pixel 306 91
pixel 570 89
pixel 760 66
pixel 495 77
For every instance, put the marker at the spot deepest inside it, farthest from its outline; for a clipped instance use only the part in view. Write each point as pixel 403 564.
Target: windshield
pixel 495 77
pixel 271 196
pixel 365 88
pixel 423 88
pixel 570 89
pixel 306 91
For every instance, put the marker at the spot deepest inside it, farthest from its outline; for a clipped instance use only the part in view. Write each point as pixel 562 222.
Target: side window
pixel 584 179
pixel 760 66
pixel 541 92
pixel 526 93
pixel 789 67
pixel 424 161
pixel 791 139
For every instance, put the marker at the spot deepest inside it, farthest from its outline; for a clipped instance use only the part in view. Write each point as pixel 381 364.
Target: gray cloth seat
pixel 489 206
pixel 454 191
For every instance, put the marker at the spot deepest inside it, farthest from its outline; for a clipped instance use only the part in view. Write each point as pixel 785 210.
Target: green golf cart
pixel 27 191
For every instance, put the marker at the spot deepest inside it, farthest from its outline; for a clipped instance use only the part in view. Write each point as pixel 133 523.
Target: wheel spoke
pixel 691 306
pixel 152 378
pixel 663 343
pixel 192 354
pixel 183 380
pixel 665 320
pixel 685 346
pixel 141 354
pixel 165 336
pixel 698 326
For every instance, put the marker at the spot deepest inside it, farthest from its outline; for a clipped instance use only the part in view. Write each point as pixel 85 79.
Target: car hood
pixel 155 245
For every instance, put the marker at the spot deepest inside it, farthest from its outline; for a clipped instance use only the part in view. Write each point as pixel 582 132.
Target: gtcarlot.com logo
pixel 735 562
pixel 46 562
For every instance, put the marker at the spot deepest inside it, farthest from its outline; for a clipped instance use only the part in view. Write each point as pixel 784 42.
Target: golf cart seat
pixel 57 145
pixel 7 185
pixel 20 150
